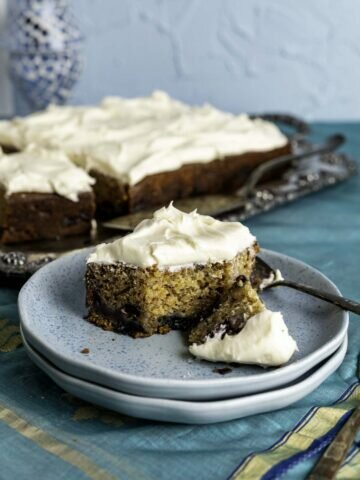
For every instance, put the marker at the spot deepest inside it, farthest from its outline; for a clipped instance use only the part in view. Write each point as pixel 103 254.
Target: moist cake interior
pixel 234 308
pixel 141 302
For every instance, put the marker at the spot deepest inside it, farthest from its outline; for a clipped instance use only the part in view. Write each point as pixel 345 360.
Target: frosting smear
pixel 264 340
pixel 41 171
pixel 133 138
pixel 173 238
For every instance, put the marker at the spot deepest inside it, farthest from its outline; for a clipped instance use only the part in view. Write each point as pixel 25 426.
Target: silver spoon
pixel 265 277
pixel 331 143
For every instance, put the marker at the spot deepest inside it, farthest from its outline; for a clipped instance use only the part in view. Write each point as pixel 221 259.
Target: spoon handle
pixel 330 144
pixel 330 462
pixel 338 300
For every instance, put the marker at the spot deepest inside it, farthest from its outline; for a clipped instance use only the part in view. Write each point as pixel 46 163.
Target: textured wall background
pixel 250 55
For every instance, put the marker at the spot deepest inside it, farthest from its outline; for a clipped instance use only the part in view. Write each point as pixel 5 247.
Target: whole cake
pixel 168 273
pixel 43 196
pixel 151 150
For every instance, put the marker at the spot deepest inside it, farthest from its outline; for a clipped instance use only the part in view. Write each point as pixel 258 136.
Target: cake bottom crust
pixel 120 322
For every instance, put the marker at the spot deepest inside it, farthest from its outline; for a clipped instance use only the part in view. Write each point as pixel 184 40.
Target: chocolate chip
pixel 234 324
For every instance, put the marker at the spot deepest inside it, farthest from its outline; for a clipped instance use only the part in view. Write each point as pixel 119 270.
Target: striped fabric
pixel 351 467
pixel 309 437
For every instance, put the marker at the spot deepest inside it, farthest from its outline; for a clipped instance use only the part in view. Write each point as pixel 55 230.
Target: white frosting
pixel 174 238
pixel 133 138
pixel 43 171
pixel 264 340
pixel 196 136
pixel 74 127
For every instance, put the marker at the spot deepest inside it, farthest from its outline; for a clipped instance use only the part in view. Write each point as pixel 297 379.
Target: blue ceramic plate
pixel 180 411
pixel 52 311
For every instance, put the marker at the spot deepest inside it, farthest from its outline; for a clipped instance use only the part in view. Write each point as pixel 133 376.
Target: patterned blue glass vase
pixel 45 50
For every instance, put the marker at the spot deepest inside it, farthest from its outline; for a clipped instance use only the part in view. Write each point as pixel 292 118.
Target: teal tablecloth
pixel 47 434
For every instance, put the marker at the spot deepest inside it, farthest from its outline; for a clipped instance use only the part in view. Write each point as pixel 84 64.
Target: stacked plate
pixel 156 378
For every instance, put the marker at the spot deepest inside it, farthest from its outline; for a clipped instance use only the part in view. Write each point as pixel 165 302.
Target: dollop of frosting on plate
pixel 36 170
pixel 264 340
pixel 173 238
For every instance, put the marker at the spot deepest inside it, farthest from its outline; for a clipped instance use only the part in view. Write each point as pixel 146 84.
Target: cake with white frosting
pixel 242 330
pixel 151 150
pixel 168 273
pixel 43 195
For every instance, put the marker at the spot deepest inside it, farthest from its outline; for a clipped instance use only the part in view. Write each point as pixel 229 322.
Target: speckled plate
pixel 52 311
pixel 191 412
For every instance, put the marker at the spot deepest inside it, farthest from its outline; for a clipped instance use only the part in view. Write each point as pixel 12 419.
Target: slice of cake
pixel 242 330
pixel 43 196
pixel 167 274
pixel 148 151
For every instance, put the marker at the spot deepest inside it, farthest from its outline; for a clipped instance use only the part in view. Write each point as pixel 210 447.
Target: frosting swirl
pixel 174 239
pixel 264 340
pixel 133 138
pixel 43 171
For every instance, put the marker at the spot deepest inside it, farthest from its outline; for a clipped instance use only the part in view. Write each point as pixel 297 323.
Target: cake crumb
pixel 85 351
pixel 223 371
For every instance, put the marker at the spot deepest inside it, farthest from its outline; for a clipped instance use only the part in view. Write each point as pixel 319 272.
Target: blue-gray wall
pixel 301 56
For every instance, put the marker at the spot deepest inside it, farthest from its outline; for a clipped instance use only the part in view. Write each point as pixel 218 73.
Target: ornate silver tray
pixel 309 175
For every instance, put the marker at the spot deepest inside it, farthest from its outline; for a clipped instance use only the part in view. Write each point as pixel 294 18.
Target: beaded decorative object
pixel 45 50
